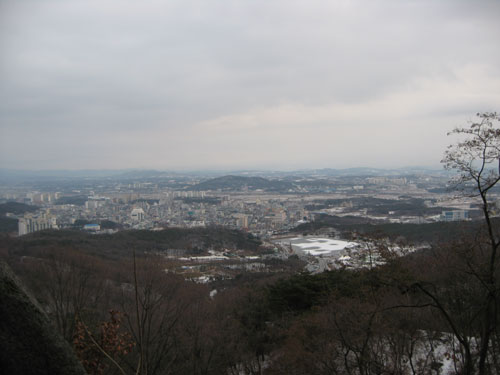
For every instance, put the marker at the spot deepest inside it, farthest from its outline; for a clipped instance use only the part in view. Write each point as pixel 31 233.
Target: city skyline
pixel 193 85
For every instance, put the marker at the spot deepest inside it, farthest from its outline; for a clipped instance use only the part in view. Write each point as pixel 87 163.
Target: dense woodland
pixel 415 314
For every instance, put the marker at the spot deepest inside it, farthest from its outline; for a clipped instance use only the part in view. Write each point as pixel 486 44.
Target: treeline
pixel 121 244
pixel 416 233
pixel 376 206
pixel 230 183
pixel 77 200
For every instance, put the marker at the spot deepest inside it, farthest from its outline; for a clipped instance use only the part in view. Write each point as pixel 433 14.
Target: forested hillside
pixel 122 244
pixel 387 319
pixel 414 233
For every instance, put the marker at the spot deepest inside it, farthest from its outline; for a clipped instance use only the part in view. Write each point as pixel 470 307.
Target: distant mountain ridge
pixel 232 182
pixel 365 171
pixel 18 175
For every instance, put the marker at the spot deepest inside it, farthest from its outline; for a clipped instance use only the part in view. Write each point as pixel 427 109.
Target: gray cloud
pixel 280 84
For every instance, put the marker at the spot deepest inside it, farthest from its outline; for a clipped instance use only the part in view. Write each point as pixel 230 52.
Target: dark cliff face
pixel 28 342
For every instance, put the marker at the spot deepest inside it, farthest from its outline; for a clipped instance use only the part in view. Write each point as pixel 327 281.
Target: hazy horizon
pixel 8 176
pixel 220 170
pixel 283 85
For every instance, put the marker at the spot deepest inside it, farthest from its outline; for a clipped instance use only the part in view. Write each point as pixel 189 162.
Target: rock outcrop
pixel 29 344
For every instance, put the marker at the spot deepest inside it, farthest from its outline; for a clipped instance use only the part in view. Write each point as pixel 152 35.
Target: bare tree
pixel 477 160
pixel 67 284
pixel 153 307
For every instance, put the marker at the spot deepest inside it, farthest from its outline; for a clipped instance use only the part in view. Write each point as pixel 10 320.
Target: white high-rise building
pixel 137 214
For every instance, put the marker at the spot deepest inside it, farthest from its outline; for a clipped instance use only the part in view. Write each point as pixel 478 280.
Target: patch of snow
pixel 205 258
pixel 321 246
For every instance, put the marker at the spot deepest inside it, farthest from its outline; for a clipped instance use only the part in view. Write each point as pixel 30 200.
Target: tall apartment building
pixel 33 223
pixel 241 220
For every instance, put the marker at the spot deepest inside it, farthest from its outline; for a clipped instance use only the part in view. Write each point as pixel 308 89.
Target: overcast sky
pixel 272 84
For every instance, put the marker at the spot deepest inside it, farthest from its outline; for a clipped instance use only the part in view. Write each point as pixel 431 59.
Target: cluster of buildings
pixel 144 205
pixel 262 216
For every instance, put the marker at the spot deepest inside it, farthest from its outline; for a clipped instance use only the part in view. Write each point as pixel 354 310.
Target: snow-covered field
pixel 319 245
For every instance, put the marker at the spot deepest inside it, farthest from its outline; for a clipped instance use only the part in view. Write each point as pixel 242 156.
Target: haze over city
pixel 221 85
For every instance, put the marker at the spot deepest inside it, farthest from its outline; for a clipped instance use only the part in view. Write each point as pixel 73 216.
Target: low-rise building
pixel 455 215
